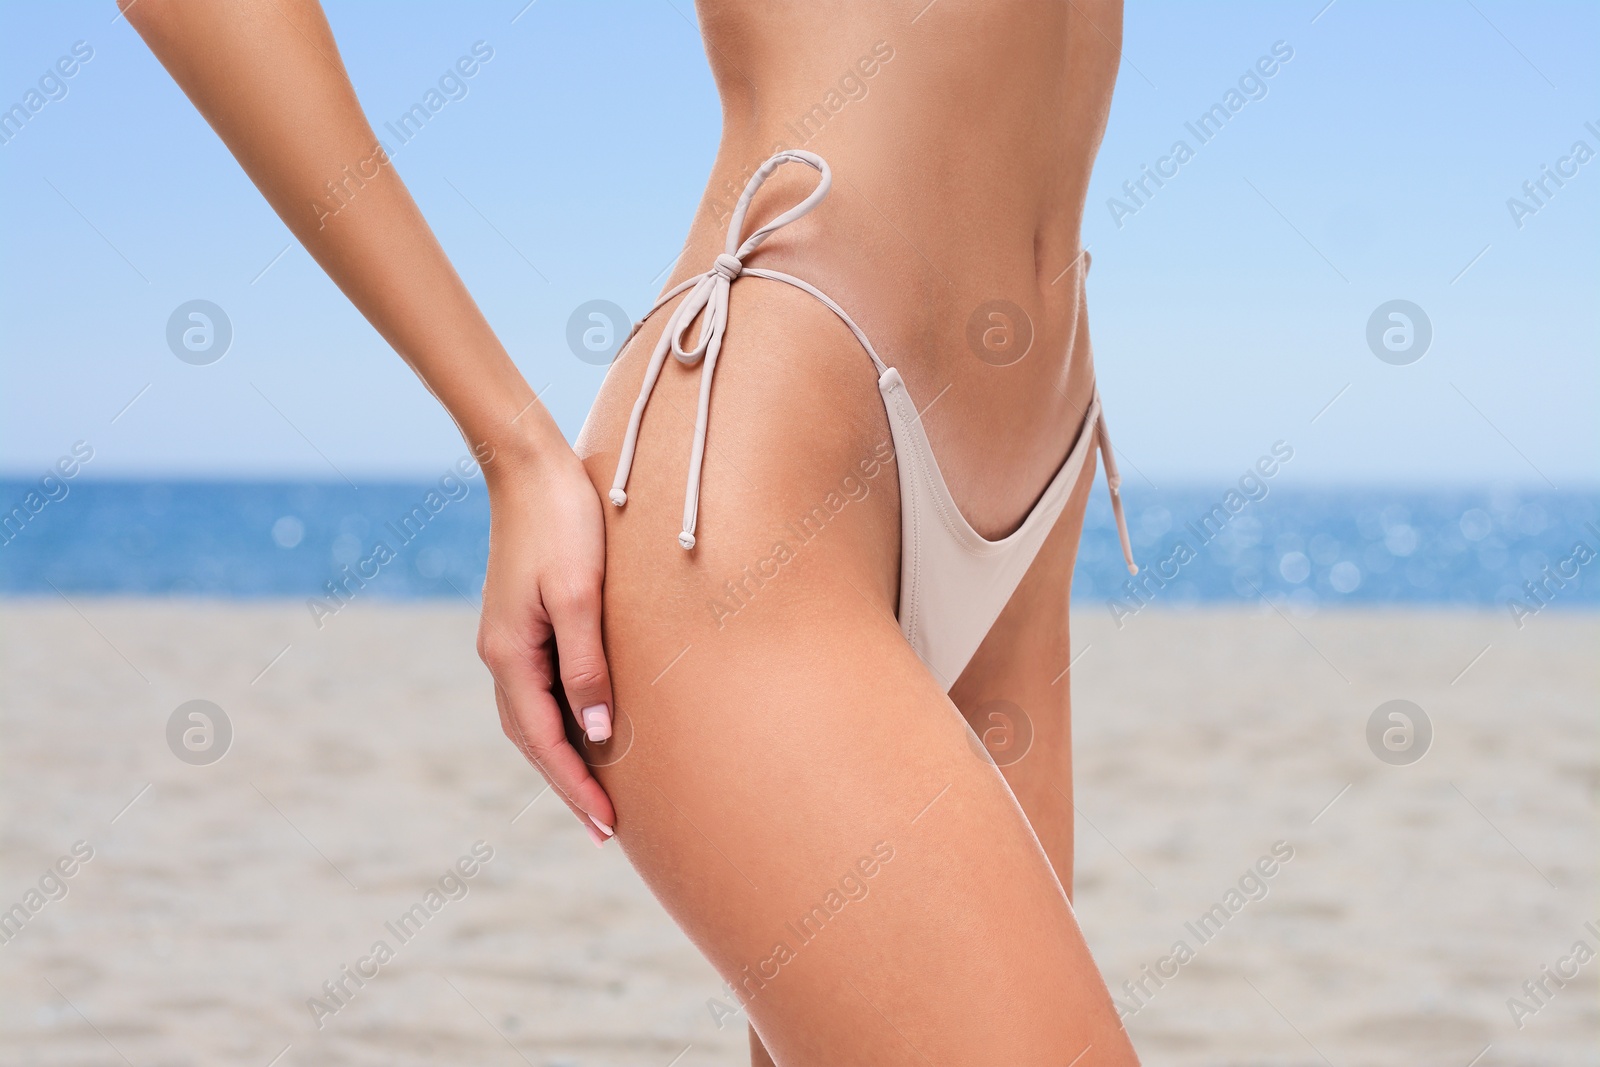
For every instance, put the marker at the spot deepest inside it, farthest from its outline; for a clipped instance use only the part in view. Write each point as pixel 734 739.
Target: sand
pixel 366 761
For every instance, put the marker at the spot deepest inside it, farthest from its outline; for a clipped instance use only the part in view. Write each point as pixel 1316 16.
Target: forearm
pixel 267 76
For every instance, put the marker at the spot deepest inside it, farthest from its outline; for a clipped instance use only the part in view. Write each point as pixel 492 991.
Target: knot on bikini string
pixel 707 300
pixel 709 295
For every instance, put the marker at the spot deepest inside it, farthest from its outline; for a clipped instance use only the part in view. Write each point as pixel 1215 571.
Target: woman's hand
pixel 540 631
pixel 240 62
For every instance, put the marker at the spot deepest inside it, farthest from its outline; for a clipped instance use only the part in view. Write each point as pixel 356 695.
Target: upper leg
pixel 809 807
pixel 796 789
pixel 1016 691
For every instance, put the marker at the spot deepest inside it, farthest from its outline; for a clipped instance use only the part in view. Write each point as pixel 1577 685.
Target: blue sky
pixel 1228 310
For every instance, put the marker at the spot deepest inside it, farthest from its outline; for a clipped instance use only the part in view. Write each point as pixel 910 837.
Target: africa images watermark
pixel 1540 593
pixel 50 87
pixel 1538 192
pixel 52 886
pixel 452 488
pixel 453 885
pixel 851 888
pixel 1252 488
pixel 1537 993
pixel 450 87
pixel 797 534
pixel 851 86
pixel 1252 887
pixel 1251 86
pixel 51 488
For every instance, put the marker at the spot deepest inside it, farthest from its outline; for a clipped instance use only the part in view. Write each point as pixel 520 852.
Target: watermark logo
pixel 342 589
pixel 612 749
pixel 1252 487
pixel 1002 733
pixel 52 886
pixel 999 332
pixel 451 87
pixel 1553 579
pixel 1538 192
pixel 850 86
pixel 597 330
pixel 199 332
pixel 47 490
pixel 1399 332
pixel 199 732
pixel 1537 991
pixel 453 885
pixel 852 887
pixel 740 591
pixel 50 87
pixel 1399 732
pixel 1252 887
pixel 1251 86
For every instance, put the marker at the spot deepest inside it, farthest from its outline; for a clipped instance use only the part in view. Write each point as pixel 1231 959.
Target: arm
pixel 267 76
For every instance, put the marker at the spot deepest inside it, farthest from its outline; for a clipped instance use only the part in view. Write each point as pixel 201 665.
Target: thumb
pixel 575 618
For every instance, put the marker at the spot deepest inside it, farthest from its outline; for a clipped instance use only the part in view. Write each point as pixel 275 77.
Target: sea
pixel 1520 550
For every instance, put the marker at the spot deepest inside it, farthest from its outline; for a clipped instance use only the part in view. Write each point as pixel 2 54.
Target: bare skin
pixel 771 761
pixel 768 751
pixel 238 60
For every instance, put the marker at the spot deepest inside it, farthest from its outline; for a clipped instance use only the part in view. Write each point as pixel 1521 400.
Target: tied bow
pixel 707 300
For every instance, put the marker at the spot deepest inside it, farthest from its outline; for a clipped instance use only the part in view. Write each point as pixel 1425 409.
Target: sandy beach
pixel 1407 904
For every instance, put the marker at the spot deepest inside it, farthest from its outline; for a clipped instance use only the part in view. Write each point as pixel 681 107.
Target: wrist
pixel 519 449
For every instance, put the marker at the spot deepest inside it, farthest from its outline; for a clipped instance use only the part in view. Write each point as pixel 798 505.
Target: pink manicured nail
pixel 597 722
pixel 594 835
pixel 608 831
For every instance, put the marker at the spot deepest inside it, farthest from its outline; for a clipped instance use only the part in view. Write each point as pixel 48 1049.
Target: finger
pixel 513 731
pixel 533 721
pixel 531 716
pixel 575 617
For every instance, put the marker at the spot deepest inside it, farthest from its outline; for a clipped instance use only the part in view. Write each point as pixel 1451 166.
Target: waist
pixel 961 142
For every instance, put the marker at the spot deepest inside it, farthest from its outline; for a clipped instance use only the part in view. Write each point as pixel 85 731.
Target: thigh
pixel 797 791
pixel 1016 692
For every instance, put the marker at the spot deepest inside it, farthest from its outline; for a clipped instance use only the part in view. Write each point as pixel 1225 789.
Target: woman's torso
pixel 959 171
pixel 961 135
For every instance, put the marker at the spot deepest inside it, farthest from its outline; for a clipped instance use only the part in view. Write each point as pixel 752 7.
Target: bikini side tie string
pixel 708 299
pixel 1114 483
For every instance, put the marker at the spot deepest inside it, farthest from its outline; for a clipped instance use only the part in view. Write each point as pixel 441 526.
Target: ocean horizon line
pixel 1256 538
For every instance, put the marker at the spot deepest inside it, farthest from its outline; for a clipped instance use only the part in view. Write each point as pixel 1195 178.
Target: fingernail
pixel 594 835
pixel 597 722
pixel 608 831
